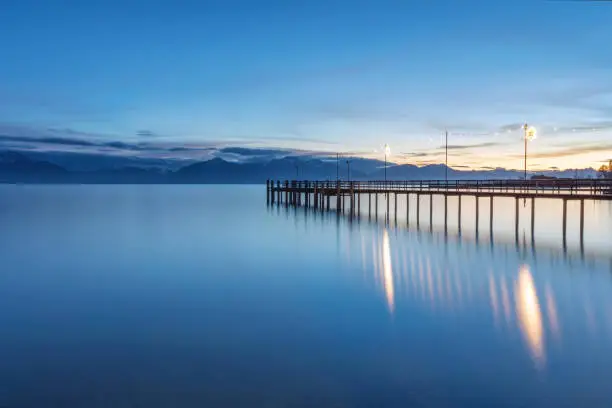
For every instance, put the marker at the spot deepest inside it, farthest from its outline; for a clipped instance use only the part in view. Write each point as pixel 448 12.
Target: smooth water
pixel 194 296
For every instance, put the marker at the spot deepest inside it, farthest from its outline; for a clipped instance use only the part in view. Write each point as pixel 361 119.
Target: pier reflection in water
pixel 553 305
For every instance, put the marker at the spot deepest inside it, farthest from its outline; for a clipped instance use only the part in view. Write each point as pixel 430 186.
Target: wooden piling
pixel 287 192
pixel 477 214
pixel 532 218
pixel 564 220
pixel 516 217
pixel 430 212
pixel 407 208
pixel 376 205
pixel 387 199
pixel 445 213
pixel 491 214
pixel 459 213
pixel 338 202
pixel 418 209
pixel 582 222
pixel 395 207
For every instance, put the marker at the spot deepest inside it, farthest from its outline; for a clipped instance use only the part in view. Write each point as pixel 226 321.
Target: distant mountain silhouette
pixel 19 167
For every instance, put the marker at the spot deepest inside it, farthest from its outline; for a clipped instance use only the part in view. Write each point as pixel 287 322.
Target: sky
pixel 322 75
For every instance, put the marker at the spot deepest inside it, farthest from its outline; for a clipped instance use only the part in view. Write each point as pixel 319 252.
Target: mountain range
pixel 20 167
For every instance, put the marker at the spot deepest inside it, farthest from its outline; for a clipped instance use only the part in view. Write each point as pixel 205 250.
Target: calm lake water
pixel 203 296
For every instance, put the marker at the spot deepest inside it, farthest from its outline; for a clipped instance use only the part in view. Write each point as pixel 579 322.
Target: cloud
pixel 470 146
pixel 244 151
pixel 593 126
pixel 75 145
pixel 69 141
pixel 47 140
pixel 146 133
pixel 571 151
pixel 511 127
pixel 416 154
pixel 582 96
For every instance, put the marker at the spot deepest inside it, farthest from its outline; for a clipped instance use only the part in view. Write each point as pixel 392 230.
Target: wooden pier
pixel 319 195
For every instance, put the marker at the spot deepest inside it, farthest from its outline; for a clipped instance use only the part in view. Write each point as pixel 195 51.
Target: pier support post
pixel 407 208
pixel 358 202
pixel 267 191
pixel 445 213
pixel 459 213
pixel 477 215
pixel 369 204
pixel 418 210
pixel 338 202
pixel 287 192
pixel 491 215
pixel 395 207
pixel 431 212
pixel 564 221
pixel 532 218
pixel 279 192
pixel 352 203
pixel 387 197
pixel 376 205
pixel 315 195
pixel 582 223
pixel 516 218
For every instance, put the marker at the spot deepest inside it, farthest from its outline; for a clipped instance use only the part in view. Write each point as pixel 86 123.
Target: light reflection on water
pixel 529 314
pixel 388 272
pixel 454 280
pixel 202 296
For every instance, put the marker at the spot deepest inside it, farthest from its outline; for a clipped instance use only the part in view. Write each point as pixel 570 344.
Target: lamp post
pixel 446 158
pixel 337 166
pixel 530 134
pixel 387 153
pixel 348 170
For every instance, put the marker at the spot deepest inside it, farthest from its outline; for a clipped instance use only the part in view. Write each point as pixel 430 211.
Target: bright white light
pixel 530 132
pixel 387 150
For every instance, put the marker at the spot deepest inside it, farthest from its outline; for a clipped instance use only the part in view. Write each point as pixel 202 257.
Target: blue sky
pixel 330 75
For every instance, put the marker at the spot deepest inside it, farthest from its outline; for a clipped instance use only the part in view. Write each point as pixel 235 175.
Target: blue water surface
pixel 202 296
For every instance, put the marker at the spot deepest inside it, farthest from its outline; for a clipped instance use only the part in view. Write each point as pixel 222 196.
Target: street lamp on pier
pixel 387 153
pixel 530 134
pixel 348 170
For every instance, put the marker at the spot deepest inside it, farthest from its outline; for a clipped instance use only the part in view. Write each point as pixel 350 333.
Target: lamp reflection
pixel 388 272
pixel 494 301
pixel 529 314
pixel 505 301
pixel 551 310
